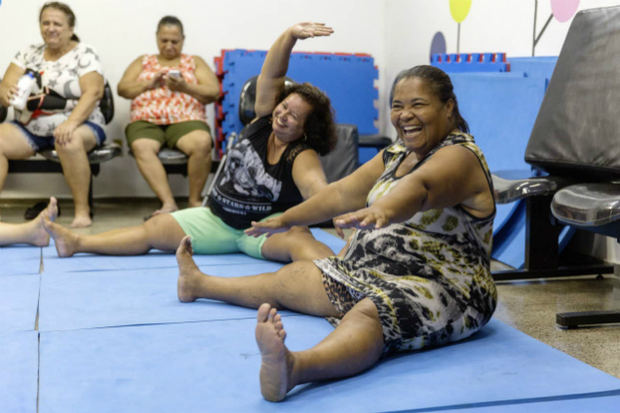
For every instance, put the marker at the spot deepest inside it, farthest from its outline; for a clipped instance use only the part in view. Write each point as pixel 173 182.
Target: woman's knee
pixel 13 143
pixel 163 232
pixel 365 310
pixel 145 147
pixel 196 142
pixel 81 141
pixel 366 315
pixel 296 233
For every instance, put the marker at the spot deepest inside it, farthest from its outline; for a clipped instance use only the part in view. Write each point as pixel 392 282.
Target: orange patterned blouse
pixel 161 105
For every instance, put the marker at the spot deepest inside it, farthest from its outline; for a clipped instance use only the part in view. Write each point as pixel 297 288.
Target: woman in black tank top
pixel 274 166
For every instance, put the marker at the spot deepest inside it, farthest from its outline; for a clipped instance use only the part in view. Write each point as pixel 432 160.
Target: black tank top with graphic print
pixel 249 188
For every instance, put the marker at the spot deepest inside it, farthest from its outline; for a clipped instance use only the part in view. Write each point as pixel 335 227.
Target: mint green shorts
pixel 210 235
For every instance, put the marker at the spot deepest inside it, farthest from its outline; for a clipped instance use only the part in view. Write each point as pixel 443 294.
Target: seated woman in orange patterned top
pixel 169 92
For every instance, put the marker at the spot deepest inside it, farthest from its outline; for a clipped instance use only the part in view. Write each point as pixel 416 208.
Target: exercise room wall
pixel 489 26
pixel 122 30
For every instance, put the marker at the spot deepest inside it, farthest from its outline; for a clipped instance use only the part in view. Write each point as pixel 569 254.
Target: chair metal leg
pixel 542 255
pixel 587 318
pixel 578 319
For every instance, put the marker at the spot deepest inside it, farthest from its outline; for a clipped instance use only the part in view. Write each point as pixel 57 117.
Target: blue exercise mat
pixel 83 262
pixel 19 297
pixel 130 297
pixel 214 366
pixel 19 366
pixel 20 259
pixel 156 259
pixel 603 402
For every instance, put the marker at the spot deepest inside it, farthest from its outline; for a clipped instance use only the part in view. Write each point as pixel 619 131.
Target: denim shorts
pixel 40 143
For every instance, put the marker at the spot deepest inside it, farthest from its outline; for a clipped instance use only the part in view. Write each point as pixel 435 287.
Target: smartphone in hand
pixel 174 73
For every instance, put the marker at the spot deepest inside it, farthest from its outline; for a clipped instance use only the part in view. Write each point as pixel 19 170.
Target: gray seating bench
pixel 175 161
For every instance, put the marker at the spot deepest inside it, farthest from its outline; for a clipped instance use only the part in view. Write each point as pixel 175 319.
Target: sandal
pixel 35 210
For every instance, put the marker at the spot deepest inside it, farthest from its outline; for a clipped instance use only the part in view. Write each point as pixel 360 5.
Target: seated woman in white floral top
pixel 70 71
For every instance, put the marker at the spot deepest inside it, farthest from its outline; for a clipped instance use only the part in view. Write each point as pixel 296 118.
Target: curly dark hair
pixel 319 127
pixel 440 84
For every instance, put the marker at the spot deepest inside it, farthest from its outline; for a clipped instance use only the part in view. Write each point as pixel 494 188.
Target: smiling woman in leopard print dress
pixel 415 274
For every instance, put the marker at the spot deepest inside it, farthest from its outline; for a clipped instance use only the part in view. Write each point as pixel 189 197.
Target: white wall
pixel 491 26
pixel 397 33
pixel 121 30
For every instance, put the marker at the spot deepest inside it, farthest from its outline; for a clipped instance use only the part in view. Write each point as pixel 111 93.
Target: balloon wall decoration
pixel 438 44
pixel 459 9
pixel 562 10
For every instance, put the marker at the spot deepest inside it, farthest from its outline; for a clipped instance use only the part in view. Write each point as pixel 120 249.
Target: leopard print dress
pixel 429 277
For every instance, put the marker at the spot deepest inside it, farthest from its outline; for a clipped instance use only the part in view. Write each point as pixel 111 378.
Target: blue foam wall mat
pixel 501 110
pixel 347 79
pixel 541 66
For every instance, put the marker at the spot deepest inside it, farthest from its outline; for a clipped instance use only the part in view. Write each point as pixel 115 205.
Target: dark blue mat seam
pixel 36 328
pixel 508 402
pixel 161 323
pixel 38 367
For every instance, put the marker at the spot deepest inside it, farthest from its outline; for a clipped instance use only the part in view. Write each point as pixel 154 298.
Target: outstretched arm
pixel 451 177
pixel 271 79
pixel 347 194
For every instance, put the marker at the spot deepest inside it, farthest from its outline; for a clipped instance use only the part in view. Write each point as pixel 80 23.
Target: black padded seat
pixel 247 97
pixel 175 161
pixel 376 141
pixel 172 157
pixel 595 207
pixel 344 158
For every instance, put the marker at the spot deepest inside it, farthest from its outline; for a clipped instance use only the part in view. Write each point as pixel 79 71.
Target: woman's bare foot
pixel 189 274
pixel 51 211
pixel 66 242
pixel 81 221
pixel 38 234
pixel 277 361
